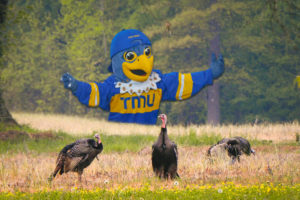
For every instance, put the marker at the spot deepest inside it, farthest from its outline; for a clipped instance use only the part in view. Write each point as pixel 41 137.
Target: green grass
pixel 27 144
pixel 222 192
pixel 132 143
pixel 194 140
pixel 112 143
pixel 256 142
pixel 6 127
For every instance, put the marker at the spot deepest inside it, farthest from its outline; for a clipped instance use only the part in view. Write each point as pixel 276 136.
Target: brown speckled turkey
pixel 235 147
pixel 77 156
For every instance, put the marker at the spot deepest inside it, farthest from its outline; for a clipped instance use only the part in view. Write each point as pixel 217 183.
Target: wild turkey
pixel 77 156
pixel 235 147
pixel 164 154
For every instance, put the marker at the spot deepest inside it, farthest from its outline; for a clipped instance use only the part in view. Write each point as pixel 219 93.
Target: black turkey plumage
pixel 164 154
pixel 235 147
pixel 77 156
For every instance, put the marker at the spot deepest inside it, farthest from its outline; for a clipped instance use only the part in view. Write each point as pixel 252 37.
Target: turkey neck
pixel 99 144
pixel 163 136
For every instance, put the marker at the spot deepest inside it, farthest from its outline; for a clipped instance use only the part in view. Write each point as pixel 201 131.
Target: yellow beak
pixel 140 69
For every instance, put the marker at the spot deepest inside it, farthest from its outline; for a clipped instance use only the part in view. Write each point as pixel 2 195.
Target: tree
pixel 259 40
pixel 5 116
pixel 213 92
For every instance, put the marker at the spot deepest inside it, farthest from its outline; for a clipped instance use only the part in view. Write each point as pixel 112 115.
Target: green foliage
pixel 259 40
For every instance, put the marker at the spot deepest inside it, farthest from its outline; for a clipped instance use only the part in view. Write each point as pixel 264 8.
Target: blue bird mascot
pixel 132 94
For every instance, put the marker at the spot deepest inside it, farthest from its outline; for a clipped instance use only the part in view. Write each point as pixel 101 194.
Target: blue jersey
pixel 141 105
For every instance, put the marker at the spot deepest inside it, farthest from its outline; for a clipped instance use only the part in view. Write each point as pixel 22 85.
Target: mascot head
pixel 131 56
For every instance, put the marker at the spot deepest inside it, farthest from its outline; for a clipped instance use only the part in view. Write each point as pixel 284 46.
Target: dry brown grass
pixel 27 172
pixel 82 126
pixel 274 163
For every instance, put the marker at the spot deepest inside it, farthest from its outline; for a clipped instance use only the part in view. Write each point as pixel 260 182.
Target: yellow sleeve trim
pixel 297 81
pixel 185 86
pixel 179 86
pixel 94 96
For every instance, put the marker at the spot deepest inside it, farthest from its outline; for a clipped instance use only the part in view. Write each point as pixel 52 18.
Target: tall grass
pixel 76 125
pixel 192 139
pixel 26 162
pixel 112 143
pixel 29 172
pixel 28 144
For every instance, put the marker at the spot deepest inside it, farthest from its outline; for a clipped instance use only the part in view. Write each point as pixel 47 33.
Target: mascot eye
pixel 129 56
pixel 147 51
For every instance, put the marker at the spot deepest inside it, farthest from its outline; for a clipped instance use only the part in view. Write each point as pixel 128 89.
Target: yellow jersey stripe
pixel 179 86
pixel 185 86
pixel 188 86
pixel 94 96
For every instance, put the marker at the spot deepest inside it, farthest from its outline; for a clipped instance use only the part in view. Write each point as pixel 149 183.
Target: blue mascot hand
pixel 69 82
pixel 217 66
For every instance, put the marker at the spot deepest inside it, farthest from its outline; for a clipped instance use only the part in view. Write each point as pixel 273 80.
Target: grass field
pixel 223 192
pixel 124 167
pixel 85 126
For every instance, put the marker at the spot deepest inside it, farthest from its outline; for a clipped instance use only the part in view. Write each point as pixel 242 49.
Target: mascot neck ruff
pixel 134 91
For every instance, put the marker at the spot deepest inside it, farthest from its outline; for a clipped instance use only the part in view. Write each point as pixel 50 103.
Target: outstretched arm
pixel 179 86
pixel 87 93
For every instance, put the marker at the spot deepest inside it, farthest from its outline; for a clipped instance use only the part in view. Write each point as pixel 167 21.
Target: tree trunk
pixel 213 104
pixel 5 116
pixel 213 92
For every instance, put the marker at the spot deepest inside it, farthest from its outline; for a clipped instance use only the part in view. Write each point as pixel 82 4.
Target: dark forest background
pixel 259 39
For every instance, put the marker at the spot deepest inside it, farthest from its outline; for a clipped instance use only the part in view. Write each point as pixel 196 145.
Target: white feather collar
pixel 139 87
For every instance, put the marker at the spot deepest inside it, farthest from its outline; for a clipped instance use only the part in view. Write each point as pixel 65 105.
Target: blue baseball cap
pixel 126 39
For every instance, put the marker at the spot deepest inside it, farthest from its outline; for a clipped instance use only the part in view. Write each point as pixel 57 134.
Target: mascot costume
pixel 132 94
